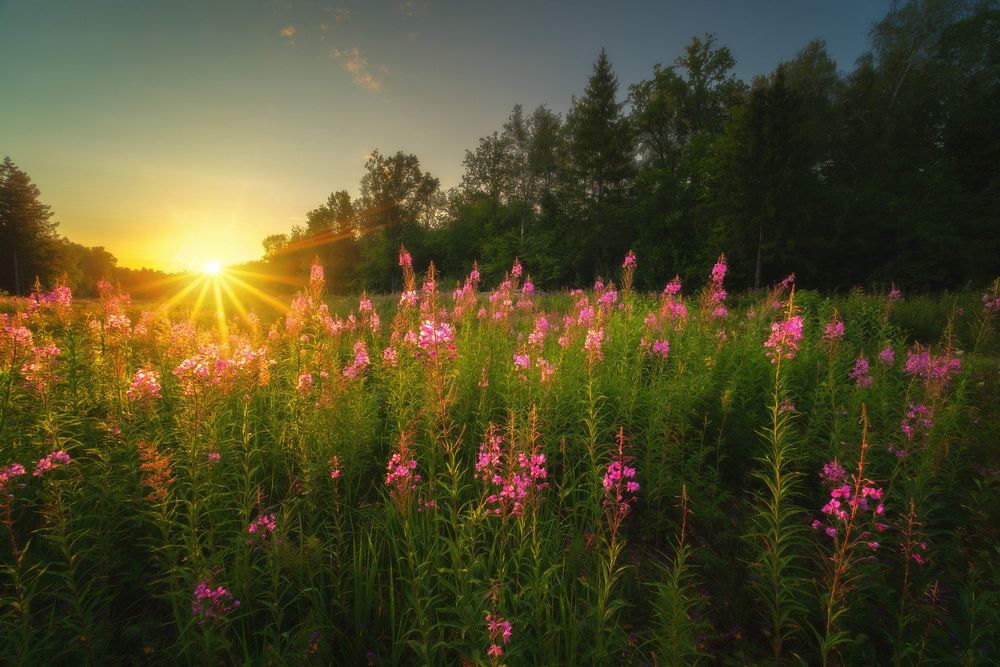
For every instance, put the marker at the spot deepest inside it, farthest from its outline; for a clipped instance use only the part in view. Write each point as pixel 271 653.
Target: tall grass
pixel 503 477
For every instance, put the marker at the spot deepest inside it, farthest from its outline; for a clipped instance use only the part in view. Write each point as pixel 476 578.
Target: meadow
pixel 451 477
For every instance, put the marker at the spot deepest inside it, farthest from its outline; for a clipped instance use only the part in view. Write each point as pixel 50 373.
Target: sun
pixel 212 268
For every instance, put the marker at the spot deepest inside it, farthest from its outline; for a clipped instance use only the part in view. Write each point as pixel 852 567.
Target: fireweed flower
pixel 401 476
pixel 619 485
pixel 894 293
pixel 593 342
pixel 537 337
pixel 661 348
pixel 887 356
pixel 360 361
pixel 145 385
pixel 834 329
pixel 213 457
pixel 212 604
pixel 435 340
pixel 51 462
pixel 917 423
pixel 833 473
pixel 9 473
pixel 500 634
pixel 673 288
pixel 715 292
pixel 40 372
pixel 260 531
pixel 849 497
pixel 783 342
pixel 935 369
pixel 304 385
pixel 514 477
pixel 861 373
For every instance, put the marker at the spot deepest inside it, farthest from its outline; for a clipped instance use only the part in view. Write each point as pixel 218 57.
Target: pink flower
pixel 521 361
pixel 661 348
pixel 500 634
pixel 860 373
pixel 9 473
pixel 833 330
pixel 833 472
pixel 435 339
pixel 887 356
pixel 360 360
pixel 629 262
pixel 783 342
pixel 212 605
pixel 516 270
pixel 145 385
pixel 619 485
pixel 51 462
pixel 261 530
pixel 213 457
pixel 593 342
pixel 673 288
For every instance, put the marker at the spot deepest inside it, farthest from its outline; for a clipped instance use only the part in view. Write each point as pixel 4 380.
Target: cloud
pixel 341 15
pixel 414 7
pixel 288 31
pixel 357 66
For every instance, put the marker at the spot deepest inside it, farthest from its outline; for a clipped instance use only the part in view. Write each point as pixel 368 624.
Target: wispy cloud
pixel 414 7
pixel 288 31
pixel 357 66
pixel 341 15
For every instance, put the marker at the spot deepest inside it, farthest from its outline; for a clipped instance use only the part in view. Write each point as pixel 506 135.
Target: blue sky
pixel 176 132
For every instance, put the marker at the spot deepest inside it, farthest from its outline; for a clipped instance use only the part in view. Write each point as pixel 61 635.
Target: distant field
pixel 455 476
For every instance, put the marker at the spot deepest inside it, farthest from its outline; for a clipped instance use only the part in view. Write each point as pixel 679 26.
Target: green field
pixel 502 477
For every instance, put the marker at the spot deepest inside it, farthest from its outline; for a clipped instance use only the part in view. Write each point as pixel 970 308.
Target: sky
pixel 175 133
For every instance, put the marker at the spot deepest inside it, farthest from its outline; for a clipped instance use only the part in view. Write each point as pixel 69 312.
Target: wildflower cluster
pixel 59 301
pixel 834 329
pixel 259 532
pixel 212 604
pixel 145 385
pixel 51 462
pixel 715 293
pixel 861 373
pixel 8 473
pixel 619 485
pixel 515 476
pixel 917 424
pixel 401 475
pixel 40 372
pixel 500 634
pixel 849 496
pixel 360 362
pixel 935 369
pixel 436 340
pixel 783 343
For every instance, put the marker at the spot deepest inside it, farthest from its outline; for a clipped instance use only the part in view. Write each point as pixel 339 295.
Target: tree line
pixel 888 172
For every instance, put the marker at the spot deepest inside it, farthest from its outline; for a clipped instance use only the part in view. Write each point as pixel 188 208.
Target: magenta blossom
pixel 783 342
pixel 51 462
